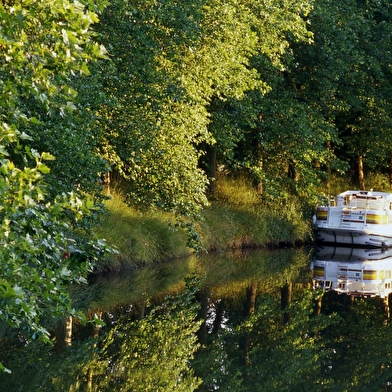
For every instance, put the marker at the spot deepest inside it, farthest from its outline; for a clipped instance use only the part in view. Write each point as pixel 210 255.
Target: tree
pixel 152 125
pixel 178 83
pixel 39 66
pixel 253 129
pixel 42 45
pixel 346 76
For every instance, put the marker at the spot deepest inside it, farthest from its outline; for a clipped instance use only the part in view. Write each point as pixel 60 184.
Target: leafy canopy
pixel 42 44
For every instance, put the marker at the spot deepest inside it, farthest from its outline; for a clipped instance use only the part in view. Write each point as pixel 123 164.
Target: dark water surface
pixel 262 327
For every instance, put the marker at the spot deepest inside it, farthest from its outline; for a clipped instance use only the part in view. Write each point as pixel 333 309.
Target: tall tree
pixel 179 76
pixel 42 44
pixel 152 125
pixel 346 76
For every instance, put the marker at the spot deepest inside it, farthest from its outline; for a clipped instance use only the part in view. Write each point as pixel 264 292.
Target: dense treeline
pixel 159 95
pixel 287 92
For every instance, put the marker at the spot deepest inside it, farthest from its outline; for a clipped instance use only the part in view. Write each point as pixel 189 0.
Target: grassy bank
pixel 234 219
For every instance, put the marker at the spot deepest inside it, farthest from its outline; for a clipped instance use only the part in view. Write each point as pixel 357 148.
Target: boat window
pixel 361 203
pixel 375 205
pixel 347 200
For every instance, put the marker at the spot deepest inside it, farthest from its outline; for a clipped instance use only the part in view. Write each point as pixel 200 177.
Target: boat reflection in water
pixel 353 271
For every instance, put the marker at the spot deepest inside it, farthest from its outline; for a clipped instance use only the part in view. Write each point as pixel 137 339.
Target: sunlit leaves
pixel 153 127
pixel 34 237
pixel 42 44
pixel 154 353
pixel 171 61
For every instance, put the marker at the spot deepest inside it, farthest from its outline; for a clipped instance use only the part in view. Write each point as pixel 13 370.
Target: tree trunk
pixel 390 170
pixel 258 180
pixel 63 334
pixel 209 165
pixel 328 185
pixel 293 175
pixel 361 176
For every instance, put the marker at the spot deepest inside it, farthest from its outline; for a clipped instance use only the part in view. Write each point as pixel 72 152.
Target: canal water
pixel 256 320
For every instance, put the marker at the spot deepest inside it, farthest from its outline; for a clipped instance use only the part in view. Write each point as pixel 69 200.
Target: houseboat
pixel 357 272
pixel 359 218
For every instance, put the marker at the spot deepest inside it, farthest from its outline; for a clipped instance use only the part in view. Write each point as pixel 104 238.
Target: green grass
pixel 236 218
pixel 139 238
pixel 376 181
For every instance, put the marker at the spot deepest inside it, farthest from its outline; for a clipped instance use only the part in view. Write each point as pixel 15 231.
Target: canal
pixel 258 320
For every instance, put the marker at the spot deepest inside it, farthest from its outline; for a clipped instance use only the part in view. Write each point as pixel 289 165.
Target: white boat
pixel 362 218
pixel 353 272
pixel 344 253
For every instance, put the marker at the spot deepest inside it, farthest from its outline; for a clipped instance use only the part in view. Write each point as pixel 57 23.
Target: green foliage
pixel 175 89
pixel 263 353
pixel 346 76
pixel 139 238
pixel 155 351
pixel 152 354
pixel 38 250
pixel 152 126
pixel 260 131
pixel 42 44
pixel 290 357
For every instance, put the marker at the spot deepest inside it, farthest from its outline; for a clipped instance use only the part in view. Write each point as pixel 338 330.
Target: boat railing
pixel 363 204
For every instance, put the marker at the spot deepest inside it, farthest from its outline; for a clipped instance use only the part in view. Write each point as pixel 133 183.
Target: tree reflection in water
pixel 248 321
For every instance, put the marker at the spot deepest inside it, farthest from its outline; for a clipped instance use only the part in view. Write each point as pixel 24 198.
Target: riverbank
pixel 235 219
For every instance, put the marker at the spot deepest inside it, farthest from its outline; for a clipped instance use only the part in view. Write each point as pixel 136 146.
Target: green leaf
pixel 43 168
pixel 47 156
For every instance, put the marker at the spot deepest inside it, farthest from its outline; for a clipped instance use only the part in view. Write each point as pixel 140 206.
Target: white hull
pixel 354 237
pixel 353 272
pixel 345 253
pixel 356 218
